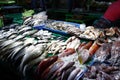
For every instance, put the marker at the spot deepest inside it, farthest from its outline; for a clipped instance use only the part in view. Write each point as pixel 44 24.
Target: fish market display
pixel 75 29
pixel 41 55
pixel 107 63
pixel 28 50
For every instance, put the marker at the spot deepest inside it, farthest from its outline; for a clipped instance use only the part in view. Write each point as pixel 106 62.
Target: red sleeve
pixel 113 12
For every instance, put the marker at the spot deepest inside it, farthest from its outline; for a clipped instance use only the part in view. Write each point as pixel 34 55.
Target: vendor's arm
pixel 112 14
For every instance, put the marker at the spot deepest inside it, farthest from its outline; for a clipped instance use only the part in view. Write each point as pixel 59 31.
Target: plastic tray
pixel 52 30
pixel 57 31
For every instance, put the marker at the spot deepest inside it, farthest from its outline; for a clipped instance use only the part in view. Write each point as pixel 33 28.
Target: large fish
pixel 29 56
pixel 18 56
pixel 66 73
pixel 6 43
pixel 44 64
pixel 51 69
pixel 60 70
pixel 30 65
pixel 11 47
pixel 73 74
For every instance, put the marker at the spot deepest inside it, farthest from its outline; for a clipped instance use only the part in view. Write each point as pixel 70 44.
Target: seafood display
pixel 75 29
pixel 41 55
pixel 107 65
pixel 26 48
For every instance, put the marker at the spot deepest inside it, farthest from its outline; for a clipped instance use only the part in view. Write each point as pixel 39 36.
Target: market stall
pixel 44 49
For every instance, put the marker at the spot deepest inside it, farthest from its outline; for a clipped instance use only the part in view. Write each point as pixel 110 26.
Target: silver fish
pixel 25 29
pixel 20 53
pixel 11 47
pixel 19 37
pixel 32 55
pixel 6 43
pixel 73 74
pixel 31 64
pixel 13 36
pixel 14 51
pixel 29 32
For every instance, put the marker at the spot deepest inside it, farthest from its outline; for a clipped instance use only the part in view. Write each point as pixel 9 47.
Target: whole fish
pixel 11 47
pixel 36 52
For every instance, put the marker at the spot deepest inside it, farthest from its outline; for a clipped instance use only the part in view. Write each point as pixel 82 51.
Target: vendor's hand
pixel 102 23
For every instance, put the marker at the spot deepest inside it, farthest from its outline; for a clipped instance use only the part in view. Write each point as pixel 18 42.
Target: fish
pixel 73 74
pixel 83 56
pixel 12 36
pixel 67 52
pixel 103 52
pixel 44 64
pixel 60 70
pixel 31 64
pixel 11 47
pixel 67 72
pixel 21 27
pixel 27 21
pixel 48 72
pixel 88 45
pixel 29 32
pixel 6 43
pixel 78 76
pixel 18 56
pixel 25 29
pixel 54 69
pixel 93 48
pixel 14 51
pixel 19 37
pixel 9 36
pixel 36 52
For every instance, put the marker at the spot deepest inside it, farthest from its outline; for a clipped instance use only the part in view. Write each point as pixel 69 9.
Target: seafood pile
pixel 40 55
pixel 109 52
pixel 107 63
pixel 29 51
